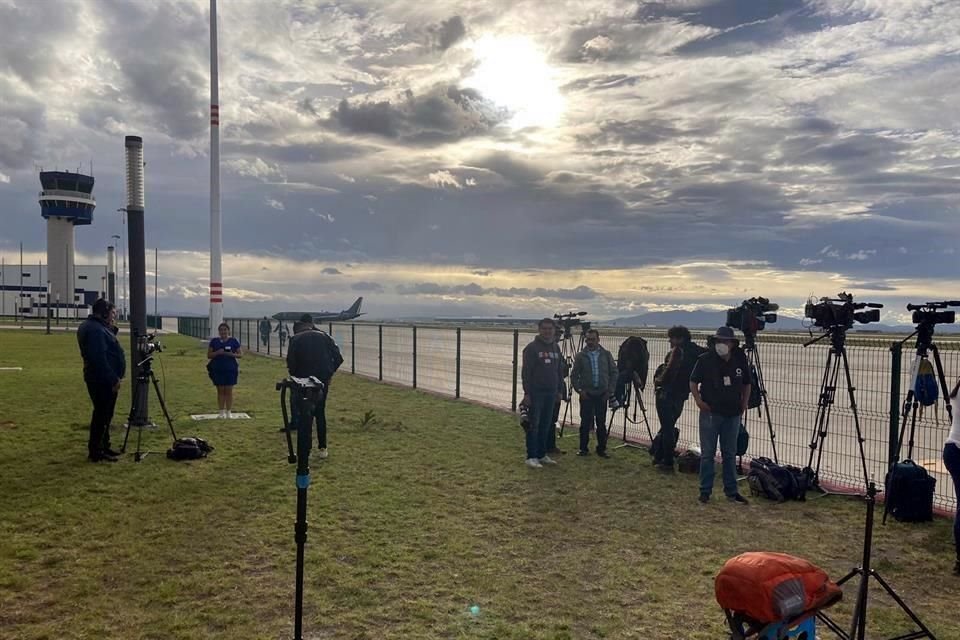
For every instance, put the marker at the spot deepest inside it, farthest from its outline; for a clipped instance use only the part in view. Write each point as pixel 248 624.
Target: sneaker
pixel 583 452
pixel 603 454
pixel 323 454
pixel 533 463
pixel 704 498
pixel 547 460
pixel 229 415
pixel 738 499
pixel 223 414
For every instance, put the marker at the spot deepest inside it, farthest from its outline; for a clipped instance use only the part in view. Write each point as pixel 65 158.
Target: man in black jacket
pixel 541 385
pixel 104 366
pixel 313 353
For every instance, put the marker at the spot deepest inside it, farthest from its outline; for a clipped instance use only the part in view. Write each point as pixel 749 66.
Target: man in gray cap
pixel 720 384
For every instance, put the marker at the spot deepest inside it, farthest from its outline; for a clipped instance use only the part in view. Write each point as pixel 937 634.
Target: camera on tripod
pixel 567 321
pixel 148 344
pixel 842 311
pixel 928 313
pixel 752 315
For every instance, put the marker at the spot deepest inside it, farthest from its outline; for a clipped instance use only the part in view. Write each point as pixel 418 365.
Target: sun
pixel 513 73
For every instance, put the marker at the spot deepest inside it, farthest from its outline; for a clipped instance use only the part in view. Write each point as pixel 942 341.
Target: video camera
pixel 304 386
pixel 842 311
pixel 927 313
pixel 752 315
pixel 567 321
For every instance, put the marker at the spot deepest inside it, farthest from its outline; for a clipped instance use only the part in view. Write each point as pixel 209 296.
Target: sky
pixel 486 157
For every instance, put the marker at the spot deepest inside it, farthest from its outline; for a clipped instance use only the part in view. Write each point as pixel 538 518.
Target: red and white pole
pixel 216 249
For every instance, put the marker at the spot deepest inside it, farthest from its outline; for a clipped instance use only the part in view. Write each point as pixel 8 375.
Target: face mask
pixel 722 349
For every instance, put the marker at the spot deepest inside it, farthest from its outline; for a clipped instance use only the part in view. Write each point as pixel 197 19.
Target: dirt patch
pixel 8 424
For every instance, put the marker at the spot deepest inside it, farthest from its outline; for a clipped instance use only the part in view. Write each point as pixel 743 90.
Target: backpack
pixel 776 482
pixel 925 388
pixel 743 440
pixel 634 350
pixel 909 492
pixel 688 462
pixel 754 400
pixel 189 449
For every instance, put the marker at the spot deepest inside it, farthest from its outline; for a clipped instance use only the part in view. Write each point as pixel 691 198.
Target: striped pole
pixel 216 271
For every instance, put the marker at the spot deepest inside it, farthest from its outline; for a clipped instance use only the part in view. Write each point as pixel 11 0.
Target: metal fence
pixel 483 365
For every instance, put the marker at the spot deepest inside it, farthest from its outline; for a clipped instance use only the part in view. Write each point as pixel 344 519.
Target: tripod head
pixel 927 316
pixel 567 321
pixel 307 393
pixel 147 345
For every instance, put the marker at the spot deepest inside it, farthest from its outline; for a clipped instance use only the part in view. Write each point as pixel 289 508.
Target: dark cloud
pixel 481 272
pixel 372 287
pixel 473 289
pixel 447 33
pixel 321 151
pixel 443 114
pixel 22 121
pixel 331 271
pixel 871 286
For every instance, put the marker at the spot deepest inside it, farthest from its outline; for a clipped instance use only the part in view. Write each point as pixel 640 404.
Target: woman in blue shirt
pixel 223 367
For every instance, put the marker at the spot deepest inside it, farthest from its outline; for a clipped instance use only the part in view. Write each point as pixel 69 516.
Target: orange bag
pixel 772 587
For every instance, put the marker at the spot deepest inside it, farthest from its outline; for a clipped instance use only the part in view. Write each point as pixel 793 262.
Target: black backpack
pixel 189 449
pixel 776 482
pixel 754 400
pixel 909 493
pixel 634 350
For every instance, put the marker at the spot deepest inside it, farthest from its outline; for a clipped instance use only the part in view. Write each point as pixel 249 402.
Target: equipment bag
pixel 790 482
pixel 773 587
pixel 634 351
pixel 909 489
pixel 688 462
pixel 189 449
pixel 743 440
pixel 755 399
pixel 925 388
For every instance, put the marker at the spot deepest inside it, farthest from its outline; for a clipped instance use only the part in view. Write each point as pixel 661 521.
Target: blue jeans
pixel 541 422
pixel 951 460
pixel 712 428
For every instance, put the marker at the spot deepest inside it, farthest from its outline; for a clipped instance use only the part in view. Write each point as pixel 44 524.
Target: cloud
pixel 581 292
pixel 444 179
pixel 274 204
pixel 372 287
pixel 331 271
pixel 806 262
pixel 447 33
pixel 442 114
pixel 254 168
pixel 862 254
pixel 481 272
pixel 4 178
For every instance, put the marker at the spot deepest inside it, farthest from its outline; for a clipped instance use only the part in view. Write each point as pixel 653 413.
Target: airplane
pixel 323 316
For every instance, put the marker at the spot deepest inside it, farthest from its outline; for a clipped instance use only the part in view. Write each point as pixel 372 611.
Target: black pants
pixel 104 401
pixel 319 413
pixel 552 433
pixel 593 412
pixel 668 412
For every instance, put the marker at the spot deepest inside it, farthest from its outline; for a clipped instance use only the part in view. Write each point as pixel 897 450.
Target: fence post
pixel 896 361
pixel 513 392
pixel 269 337
pixel 353 348
pixel 380 351
pixel 414 357
pixel 457 395
pixel 280 335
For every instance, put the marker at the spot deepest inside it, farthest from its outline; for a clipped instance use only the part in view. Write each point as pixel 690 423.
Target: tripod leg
pixel 903 605
pixel 827 398
pixel 819 420
pixel 856 416
pixel 943 380
pixel 163 405
pixel 766 405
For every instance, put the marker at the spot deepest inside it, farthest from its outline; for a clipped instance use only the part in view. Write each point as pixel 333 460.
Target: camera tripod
pixel 138 412
pixel 633 390
pixel 308 393
pixel 569 348
pixel 756 369
pixel 836 357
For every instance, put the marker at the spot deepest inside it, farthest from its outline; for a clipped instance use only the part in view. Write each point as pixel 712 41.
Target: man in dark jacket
pixel 593 378
pixel 672 385
pixel 541 385
pixel 720 384
pixel 313 353
pixel 104 366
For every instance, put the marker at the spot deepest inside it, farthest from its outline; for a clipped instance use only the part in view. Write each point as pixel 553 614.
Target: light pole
pixel 123 275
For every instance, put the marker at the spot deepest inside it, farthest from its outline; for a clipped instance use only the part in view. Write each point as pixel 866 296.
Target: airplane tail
pixel 355 308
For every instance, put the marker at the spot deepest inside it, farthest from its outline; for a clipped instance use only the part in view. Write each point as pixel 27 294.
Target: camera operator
pixel 104 366
pixel 313 353
pixel 542 381
pixel 593 378
pixel 671 389
pixel 951 460
pixel 720 384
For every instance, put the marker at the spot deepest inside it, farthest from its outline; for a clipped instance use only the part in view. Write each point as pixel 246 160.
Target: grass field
pixel 417 515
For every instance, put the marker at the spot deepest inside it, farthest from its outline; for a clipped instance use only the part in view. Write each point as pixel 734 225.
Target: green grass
pixel 420 512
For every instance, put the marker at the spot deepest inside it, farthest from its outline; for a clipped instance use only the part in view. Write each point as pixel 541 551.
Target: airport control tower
pixel 66 200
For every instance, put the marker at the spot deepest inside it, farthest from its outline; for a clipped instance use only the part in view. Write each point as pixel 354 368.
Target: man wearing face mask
pixel 594 377
pixel 720 385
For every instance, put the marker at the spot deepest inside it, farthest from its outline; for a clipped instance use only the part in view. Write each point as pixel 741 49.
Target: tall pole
pixel 156 283
pixel 20 302
pixel 216 272
pixel 138 273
